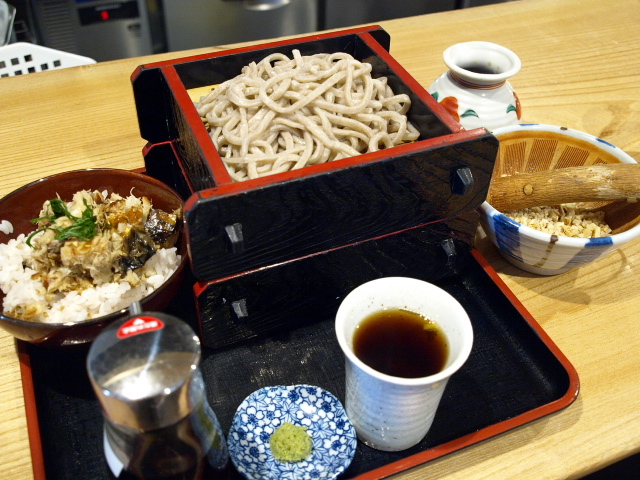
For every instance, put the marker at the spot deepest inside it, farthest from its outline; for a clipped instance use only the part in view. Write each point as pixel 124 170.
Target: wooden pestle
pixel 592 183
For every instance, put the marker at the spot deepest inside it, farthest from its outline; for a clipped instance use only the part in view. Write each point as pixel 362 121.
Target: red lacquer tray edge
pixel 31 410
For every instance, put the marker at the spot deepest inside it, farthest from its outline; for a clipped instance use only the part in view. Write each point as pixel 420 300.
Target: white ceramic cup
pixel 393 413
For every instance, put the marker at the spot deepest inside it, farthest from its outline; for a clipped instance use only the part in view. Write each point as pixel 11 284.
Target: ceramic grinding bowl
pixel 530 148
pixel 23 204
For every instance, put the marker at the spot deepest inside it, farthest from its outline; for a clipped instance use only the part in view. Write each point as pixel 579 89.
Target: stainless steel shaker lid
pixel 144 370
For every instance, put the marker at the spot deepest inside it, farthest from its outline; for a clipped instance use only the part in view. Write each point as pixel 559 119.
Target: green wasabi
pixel 290 443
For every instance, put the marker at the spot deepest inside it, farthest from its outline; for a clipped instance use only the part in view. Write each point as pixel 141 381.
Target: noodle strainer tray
pixel 236 227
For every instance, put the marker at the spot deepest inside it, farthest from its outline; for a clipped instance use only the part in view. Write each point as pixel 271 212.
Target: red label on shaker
pixel 139 325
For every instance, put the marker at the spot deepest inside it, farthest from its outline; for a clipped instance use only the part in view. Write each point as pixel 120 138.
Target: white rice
pixel 20 289
pixel 6 227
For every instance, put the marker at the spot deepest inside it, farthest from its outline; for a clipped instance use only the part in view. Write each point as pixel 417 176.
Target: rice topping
pixel 88 257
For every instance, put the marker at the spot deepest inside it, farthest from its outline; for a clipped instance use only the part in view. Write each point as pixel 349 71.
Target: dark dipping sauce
pixel 401 343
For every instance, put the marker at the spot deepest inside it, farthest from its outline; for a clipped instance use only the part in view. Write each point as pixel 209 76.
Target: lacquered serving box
pixel 305 232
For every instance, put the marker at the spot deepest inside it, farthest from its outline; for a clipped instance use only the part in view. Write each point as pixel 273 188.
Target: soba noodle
pixel 283 114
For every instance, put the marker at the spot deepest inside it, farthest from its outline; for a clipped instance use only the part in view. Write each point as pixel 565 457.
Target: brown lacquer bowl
pixel 20 206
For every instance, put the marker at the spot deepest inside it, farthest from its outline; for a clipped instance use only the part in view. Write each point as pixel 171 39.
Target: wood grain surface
pixel 580 70
pixel 591 183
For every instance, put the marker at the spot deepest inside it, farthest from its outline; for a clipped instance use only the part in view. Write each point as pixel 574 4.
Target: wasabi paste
pixel 290 443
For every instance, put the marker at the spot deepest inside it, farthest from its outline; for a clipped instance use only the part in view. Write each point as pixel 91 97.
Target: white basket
pixel 23 58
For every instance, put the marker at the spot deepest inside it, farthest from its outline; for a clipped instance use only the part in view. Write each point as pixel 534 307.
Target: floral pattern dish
pixel 262 412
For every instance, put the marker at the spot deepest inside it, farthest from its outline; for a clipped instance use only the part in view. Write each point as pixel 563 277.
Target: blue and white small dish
pixel 262 412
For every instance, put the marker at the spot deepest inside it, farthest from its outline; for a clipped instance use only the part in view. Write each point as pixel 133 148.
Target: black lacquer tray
pixel 515 374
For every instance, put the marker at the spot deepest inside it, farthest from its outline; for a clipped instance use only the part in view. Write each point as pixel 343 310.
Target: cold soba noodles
pixel 283 114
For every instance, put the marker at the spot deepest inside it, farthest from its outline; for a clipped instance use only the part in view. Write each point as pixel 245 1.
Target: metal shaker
pixel 157 420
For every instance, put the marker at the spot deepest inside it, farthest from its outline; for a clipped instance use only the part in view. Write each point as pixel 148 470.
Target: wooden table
pixel 581 69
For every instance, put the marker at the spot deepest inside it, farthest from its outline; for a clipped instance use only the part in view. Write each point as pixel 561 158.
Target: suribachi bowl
pixel 528 148
pixel 25 203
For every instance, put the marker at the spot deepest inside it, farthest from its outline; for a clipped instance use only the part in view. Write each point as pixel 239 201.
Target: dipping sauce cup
pixel 394 413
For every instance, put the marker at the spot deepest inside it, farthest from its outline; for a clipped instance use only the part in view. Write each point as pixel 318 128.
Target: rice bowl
pixel 85 312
